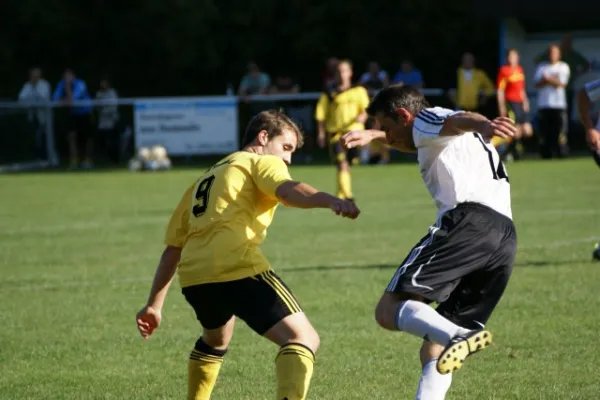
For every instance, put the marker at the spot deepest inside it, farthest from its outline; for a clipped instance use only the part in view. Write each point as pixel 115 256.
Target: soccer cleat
pixel 459 348
pixel 596 253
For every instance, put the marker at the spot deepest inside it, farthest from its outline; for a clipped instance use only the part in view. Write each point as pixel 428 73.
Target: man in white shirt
pixel 465 261
pixel 551 79
pixel 36 92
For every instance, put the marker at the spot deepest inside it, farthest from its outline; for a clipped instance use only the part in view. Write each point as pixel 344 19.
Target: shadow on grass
pixel 520 264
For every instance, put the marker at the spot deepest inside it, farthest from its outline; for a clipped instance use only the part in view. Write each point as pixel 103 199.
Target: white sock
pixel 423 321
pixel 433 385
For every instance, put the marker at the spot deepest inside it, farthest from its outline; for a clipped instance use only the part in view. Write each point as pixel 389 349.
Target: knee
pixel 309 338
pixel 385 314
pixel 343 166
pixel 220 342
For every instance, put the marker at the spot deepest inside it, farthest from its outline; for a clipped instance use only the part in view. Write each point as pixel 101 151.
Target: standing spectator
pixel 513 103
pixel 284 84
pixel 551 79
pixel 36 91
pixel 374 79
pixel 578 65
pixel 473 87
pixel 254 82
pixel 330 72
pixel 68 91
pixel 108 119
pixel 408 75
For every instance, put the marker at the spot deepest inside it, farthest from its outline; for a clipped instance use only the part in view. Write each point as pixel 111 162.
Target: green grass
pixel 77 253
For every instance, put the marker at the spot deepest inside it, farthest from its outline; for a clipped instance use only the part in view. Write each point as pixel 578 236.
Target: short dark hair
pixel 397 96
pixel 274 122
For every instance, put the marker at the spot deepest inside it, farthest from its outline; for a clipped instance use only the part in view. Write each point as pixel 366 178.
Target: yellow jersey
pixel 470 84
pixel 339 110
pixel 223 218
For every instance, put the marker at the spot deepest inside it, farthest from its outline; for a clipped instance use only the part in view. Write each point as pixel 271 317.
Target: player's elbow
pixel 285 192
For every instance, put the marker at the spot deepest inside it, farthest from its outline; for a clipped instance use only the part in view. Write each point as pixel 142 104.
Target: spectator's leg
pixel 545 124
pixel 87 134
pixel 73 151
pixel 563 135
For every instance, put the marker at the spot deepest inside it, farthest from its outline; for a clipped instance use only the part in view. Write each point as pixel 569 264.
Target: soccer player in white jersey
pixel 589 95
pixel 466 259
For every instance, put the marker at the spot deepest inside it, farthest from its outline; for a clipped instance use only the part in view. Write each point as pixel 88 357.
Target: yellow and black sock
pixel 344 184
pixel 294 368
pixel 203 369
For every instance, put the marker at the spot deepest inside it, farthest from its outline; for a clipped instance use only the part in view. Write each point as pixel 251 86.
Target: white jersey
pixel 592 89
pixel 461 168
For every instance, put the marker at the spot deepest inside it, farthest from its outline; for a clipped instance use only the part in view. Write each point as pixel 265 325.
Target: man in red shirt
pixel 513 101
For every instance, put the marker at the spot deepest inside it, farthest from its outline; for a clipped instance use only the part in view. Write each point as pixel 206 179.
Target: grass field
pixel 77 254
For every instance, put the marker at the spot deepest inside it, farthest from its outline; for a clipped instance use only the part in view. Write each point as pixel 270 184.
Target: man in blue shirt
pixel 79 122
pixel 408 75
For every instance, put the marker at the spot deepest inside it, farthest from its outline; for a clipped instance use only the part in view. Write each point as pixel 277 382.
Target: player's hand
pixel 355 139
pixel 321 141
pixel 593 139
pixel 502 127
pixel 345 208
pixel 148 319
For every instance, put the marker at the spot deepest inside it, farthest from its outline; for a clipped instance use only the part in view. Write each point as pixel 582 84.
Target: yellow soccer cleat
pixel 459 348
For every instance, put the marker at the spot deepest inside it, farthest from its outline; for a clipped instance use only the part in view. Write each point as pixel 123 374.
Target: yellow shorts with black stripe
pixel 261 301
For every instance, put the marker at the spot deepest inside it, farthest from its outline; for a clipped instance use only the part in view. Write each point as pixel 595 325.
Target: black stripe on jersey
pixel 430 118
pixel 490 155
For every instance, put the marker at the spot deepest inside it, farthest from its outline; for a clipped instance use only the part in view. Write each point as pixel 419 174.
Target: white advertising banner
pixel 187 125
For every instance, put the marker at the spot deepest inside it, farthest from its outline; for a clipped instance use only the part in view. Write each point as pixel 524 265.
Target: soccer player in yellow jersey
pixel 212 242
pixel 341 108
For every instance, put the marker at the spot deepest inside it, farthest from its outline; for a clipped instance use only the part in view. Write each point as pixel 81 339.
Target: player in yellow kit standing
pixel 212 242
pixel 341 108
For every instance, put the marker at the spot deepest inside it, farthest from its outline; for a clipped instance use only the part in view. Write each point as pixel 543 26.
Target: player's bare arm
pixel 149 317
pixel 361 138
pixel 301 195
pixel 583 108
pixel 460 123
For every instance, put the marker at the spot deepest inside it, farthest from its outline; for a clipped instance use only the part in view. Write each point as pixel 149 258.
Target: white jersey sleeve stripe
pixel 429 116
pixel 592 90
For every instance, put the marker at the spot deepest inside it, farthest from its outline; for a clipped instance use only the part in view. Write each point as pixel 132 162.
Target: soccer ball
pixel 158 152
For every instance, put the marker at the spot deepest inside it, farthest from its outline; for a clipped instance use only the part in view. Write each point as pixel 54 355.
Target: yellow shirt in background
pixel 339 110
pixel 223 218
pixel 470 85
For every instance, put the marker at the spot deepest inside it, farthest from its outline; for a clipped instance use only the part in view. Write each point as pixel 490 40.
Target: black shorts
pixel 261 301
pixel 463 263
pixel 596 156
pixel 80 124
pixel 519 114
pixel 337 152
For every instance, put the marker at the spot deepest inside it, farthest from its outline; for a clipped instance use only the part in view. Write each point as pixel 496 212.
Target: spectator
pixel 284 84
pixel 577 63
pixel 514 103
pixel 374 79
pixel 36 91
pixel 254 82
pixel 329 74
pixel 68 91
pixel 473 87
pixel 551 79
pixel 408 75
pixel 108 119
